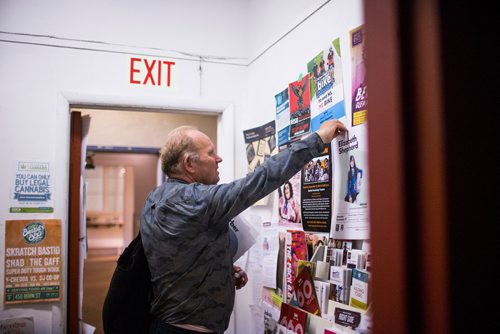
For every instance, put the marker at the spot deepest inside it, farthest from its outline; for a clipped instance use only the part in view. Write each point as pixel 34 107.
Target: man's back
pixel 191 270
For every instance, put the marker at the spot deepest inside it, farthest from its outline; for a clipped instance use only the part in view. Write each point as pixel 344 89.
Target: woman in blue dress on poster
pixel 354 176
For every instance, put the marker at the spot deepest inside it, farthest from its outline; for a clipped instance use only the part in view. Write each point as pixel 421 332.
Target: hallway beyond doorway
pixel 98 271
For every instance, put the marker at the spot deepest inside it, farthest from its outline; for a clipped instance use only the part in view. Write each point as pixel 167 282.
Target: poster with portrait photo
pixel 289 213
pixel 316 193
pixel 351 179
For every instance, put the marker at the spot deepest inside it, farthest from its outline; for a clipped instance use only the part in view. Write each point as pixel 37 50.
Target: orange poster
pixel 33 261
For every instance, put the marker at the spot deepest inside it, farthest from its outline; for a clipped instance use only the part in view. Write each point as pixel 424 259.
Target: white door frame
pixel 66 100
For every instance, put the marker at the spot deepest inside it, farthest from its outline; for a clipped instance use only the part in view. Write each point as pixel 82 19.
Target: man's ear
pixel 187 162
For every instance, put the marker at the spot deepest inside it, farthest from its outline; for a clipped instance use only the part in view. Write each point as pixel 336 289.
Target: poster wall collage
pixel 33 248
pixel 316 252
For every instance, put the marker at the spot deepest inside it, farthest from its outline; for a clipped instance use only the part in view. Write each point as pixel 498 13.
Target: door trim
pixel 70 100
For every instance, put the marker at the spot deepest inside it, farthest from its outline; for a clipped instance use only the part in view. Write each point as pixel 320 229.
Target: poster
pixel 352 220
pixel 289 211
pixel 327 85
pixel 316 197
pixel 17 325
pixel 261 143
pixel 300 111
pixel 359 93
pixel 293 319
pixel 271 316
pixel 282 116
pixel 270 250
pixel 32 187
pixel 33 261
pixel 305 293
pixel 295 250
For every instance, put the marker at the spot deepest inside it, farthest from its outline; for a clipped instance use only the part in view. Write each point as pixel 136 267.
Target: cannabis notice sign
pixel 32 187
pixel 33 261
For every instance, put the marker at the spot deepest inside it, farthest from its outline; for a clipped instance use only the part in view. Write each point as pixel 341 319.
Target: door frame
pixel 69 100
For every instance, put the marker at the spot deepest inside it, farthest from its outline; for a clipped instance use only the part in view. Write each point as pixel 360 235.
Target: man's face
pixel 206 167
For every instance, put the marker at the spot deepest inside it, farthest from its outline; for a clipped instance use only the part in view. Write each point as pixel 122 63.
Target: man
pixel 185 229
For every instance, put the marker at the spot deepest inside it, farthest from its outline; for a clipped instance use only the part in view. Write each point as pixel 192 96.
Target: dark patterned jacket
pixel 186 239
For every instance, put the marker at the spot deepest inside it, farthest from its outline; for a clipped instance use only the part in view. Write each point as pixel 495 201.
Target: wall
pixel 34 79
pixel 287 59
pixel 197 28
pixel 141 128
pixel 223 36
pixel 270 74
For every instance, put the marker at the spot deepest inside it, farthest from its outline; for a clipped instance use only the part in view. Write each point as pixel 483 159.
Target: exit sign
pixel 154 72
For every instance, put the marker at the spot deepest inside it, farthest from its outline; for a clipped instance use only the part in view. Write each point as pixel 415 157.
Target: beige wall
pixel 144 166
pixel 141 128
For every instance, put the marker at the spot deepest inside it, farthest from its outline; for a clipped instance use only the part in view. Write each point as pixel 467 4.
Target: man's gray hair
pixel 178 143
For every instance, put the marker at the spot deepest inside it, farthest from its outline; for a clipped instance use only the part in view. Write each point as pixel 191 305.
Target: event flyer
pixel 33 261
pixel 282 116
pixel 289 211
pixel 351 167
pixel 269 238
pixel 32 187
pixel 260 143
pixel 316 197
pixel 359 93
pixel 305 293
pixel 327 85
pixel 293 318
pixel 295 250
pixel 300 111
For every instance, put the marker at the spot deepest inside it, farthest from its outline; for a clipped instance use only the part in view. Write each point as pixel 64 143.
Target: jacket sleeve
pixel 228 200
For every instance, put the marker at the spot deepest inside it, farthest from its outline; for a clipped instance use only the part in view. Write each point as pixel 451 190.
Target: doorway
pixel 116 184
pixel 122 150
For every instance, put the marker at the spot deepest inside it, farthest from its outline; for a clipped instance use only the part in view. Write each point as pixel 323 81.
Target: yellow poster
pixel 32 261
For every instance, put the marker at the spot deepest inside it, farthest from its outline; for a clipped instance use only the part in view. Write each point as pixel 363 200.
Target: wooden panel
pixel 74 222
pixel 387 192
pixel 432 238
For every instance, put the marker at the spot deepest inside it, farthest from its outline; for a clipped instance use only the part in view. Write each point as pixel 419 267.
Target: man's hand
pixel 240 277
pixel 330 129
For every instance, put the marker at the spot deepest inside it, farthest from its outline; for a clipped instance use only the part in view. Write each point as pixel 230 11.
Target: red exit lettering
pixel 146 71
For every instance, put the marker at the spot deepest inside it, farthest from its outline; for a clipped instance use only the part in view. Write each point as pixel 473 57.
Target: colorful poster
pixel 305 293
pixel 283 116
pixel 293 318
pixel 327 85
pixel 359 93
pixel 260 143
pixel 295 250
pixel 300 111
pixel 32 188
pixel 352 219
pixel 289 211
pixel 317 189
pixel 33 261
